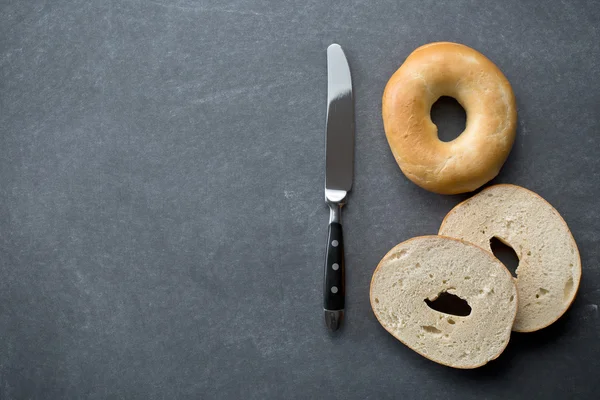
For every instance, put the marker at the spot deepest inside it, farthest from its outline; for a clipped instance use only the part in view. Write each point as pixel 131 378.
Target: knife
pixel 339 164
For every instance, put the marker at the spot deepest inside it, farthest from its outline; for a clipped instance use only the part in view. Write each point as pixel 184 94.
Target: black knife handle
pixel 334 289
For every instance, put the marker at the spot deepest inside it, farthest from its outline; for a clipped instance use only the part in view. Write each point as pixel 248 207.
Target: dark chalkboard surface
pixel 162 223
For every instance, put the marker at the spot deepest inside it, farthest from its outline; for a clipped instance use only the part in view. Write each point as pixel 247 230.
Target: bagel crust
pixel 476 156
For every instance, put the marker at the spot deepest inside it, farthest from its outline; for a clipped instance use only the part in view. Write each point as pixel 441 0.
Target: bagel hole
pixel 449 303
pixel 505 254
pixel 449 117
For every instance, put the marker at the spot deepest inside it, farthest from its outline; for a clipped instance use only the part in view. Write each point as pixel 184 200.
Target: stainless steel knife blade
pixel 339 150
pixel 339 172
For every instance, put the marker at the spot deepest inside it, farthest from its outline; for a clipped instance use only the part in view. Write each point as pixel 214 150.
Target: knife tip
pixel 333 319
pixel 334 46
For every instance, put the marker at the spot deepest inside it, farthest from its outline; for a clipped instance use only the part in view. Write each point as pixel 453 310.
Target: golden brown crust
pixel 391 252
pixel 462 203
pixel 476 156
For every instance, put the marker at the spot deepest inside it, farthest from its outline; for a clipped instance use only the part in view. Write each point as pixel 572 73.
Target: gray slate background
pixel 162 222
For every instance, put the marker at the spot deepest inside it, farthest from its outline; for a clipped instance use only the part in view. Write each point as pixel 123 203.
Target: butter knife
pixel 339 171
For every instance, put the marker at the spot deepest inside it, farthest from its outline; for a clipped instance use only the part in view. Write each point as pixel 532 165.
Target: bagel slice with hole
pixel 549 269
pixel 446 299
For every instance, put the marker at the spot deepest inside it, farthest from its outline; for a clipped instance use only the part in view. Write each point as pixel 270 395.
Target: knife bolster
pixel 335 212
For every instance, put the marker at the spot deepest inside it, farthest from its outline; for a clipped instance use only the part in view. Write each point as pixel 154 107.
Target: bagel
pixel 549 268
pixel 422 269
pixel 478 153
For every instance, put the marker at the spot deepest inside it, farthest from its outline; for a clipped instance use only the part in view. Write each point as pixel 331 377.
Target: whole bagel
pixel 474 157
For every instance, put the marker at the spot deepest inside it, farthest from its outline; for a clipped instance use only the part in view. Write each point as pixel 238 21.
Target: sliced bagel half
pixel 549 268
pixel 414 280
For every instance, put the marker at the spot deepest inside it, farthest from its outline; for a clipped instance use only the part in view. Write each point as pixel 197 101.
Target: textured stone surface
pixel 162 222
